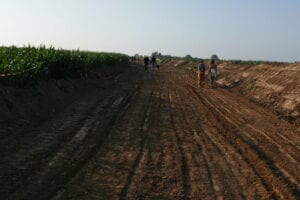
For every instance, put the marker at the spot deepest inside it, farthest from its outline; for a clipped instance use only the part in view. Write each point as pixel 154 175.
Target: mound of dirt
pixel 275 86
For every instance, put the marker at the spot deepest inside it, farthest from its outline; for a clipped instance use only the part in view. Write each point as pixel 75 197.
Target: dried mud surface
pixel 155 136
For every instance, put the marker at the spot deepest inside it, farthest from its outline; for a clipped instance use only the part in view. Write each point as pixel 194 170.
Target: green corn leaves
pixel 30 64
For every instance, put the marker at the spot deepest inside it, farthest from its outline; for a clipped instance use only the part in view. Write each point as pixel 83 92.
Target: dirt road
pixel 156 136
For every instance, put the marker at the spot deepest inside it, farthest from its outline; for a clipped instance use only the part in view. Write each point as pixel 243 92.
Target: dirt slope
pixel 156 136
pixel 275 86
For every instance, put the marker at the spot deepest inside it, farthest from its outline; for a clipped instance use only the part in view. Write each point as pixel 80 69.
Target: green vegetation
pixel 188 57
pixel 214 57
pixel 31 64
pixel 246 62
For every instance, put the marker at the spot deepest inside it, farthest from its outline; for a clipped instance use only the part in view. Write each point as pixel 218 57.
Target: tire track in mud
pixel 75 151
pixel 22 161
pixel 279 147
pixel 205 133
pixel 43 141
pixel 122 104
pixel 137 188
pixel 58 163
pixel 156 176
pixel 184 162
pixel 289 138
pixel 225 126
pixel 233 161
pixel 141 156
pixel 216 159
pixel 160 173
pixel 215 184
pixel 221 174
pixel 280 159
pixel 283 143
pixel 274 180
pixel 197 148
pixel 166 140
pixel 203 183
pixel 112 168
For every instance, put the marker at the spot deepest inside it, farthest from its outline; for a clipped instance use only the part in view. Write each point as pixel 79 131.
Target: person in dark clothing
pixel 146 62
pixel 201 73
pixel 153 62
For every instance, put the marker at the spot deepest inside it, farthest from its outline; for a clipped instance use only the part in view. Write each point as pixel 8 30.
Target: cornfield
pixel 33 64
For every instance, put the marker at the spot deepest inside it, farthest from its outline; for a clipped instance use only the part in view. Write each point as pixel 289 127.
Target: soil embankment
pixel 275 86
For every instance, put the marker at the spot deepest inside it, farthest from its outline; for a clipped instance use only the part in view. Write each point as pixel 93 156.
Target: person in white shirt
pixel 213 73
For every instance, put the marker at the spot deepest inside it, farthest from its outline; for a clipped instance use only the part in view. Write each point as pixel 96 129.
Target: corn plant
pixel 32 64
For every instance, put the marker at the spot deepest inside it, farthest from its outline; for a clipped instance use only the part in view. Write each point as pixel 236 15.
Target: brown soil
pixel 150 135
pixel 275 86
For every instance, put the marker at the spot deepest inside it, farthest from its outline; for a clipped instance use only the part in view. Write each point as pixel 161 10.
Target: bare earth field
pixel 275 86
pixel 144 135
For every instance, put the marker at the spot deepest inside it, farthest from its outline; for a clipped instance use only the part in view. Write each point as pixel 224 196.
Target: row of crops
pixel 246 62
pixel 33 64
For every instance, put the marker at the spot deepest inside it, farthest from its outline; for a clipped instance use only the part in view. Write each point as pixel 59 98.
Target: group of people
pixel 212 73
pixel 153 63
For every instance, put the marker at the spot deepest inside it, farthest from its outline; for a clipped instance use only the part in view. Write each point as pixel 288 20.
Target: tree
pixel 214 57
pixel 188 57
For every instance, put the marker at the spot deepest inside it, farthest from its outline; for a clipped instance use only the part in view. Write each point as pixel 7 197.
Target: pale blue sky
pixel 232 29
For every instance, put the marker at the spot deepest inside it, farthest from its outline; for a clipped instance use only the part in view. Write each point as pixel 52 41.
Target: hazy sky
pixel 232 29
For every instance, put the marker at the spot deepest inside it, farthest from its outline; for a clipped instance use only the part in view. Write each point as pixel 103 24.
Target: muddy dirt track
pixel 156 136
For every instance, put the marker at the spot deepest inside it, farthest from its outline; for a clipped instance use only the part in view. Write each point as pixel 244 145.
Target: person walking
pixel 146 62
pixel 153 62
pixel 201 73
pixel 158 61
pixel 213 73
